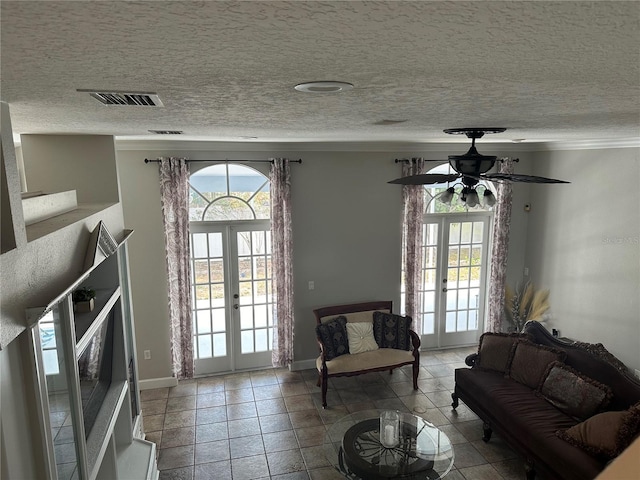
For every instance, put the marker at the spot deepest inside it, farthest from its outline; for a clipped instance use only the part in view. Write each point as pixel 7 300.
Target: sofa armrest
pixel 471 359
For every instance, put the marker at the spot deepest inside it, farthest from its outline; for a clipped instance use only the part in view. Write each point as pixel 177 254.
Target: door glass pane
pixel 246 341
pixel 204 346
pixel 462 321
pixel 220 345
pixel 261 340
pixel 454 256
pixel 454 234
pixel 450 326
pixel 199 245
pixel 478 232
pixel 466 232
pixel 246 317
pixel 218 320
pixel 203 321
pixel 215 245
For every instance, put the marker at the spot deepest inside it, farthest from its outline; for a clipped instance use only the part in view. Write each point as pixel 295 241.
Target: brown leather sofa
pixel 538 429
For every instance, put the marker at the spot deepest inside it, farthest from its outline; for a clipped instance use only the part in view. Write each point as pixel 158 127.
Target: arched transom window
pixel 432 203
pixel 227 192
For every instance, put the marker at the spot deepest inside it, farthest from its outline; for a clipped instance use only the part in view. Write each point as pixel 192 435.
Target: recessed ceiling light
pixel 323 87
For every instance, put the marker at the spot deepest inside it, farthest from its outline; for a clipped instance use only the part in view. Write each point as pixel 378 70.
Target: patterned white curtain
pixel 174 192
pixel 412 219
pixel 500 250
pixel 282 262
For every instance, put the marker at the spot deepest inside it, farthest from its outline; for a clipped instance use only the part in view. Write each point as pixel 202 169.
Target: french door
pixel 232 297
pixel 454 271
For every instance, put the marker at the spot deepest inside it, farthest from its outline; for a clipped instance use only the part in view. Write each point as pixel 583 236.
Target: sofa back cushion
pixel 573 393
pixel 494 350
pixel 529 362
pixel 392 331
pixel 333 335
pixel 354 317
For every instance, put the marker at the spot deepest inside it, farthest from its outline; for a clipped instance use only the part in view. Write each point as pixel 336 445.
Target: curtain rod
pixel 149 160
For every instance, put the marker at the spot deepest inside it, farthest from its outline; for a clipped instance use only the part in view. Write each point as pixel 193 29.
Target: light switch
pixel 312 285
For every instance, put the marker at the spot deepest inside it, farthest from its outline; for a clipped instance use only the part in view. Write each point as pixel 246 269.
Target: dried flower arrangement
pixel 524 304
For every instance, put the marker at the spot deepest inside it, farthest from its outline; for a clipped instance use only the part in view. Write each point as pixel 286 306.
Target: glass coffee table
pixel 353 447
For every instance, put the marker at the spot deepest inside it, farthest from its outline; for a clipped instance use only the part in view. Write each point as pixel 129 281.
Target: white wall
pixel 584 245
pixel 346 230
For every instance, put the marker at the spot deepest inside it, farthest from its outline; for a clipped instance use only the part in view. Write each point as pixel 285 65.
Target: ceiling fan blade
pixel 514 177
pixel 426 179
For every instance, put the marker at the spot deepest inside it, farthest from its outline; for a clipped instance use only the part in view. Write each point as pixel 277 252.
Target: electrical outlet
pixel 312 285
pixel 637 373
pixel 147 354
pixel 526 271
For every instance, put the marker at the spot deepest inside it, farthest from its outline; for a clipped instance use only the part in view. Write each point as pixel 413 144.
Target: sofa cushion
pixel 361 337
pixel 572 392
pixel 333 336
pixel 494 351
pixel 606 434
pixel 374 359
pixel 529 362
pixel 392 331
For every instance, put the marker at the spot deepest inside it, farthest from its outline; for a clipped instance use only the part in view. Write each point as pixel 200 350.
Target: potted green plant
pixel 83 299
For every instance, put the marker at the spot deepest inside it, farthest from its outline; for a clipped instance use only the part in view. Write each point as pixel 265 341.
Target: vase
pixel 390 428
pixel 84 307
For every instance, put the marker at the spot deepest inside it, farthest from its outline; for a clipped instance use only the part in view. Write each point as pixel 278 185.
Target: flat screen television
pixel 95 365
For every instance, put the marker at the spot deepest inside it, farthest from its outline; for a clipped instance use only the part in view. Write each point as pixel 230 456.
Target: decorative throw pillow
pixel 392 331
pixel 361 338
pixel 572 392
pixel 529 362
pixel 333 335
pixel 494 350
pixel 607 434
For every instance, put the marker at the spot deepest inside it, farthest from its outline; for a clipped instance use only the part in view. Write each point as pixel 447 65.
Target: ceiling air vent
pixel 133 99
pixel 167 132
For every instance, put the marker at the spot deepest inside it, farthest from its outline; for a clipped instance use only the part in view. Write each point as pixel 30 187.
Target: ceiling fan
pixel 472 166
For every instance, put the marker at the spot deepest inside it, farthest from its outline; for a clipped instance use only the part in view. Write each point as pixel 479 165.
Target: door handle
pixel 445 290
pixel 235 295
pixel 236 306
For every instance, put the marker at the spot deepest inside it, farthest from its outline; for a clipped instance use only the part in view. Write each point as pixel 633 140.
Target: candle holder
pixel 390 428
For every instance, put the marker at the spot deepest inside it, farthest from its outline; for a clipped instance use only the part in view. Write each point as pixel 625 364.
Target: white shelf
pixel 137 460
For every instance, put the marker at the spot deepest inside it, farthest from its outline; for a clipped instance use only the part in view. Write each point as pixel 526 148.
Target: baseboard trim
pixel 158 383
pixel 303 365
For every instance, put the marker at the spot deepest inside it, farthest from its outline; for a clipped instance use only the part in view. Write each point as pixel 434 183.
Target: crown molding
pixel 591 144
pixel 415 148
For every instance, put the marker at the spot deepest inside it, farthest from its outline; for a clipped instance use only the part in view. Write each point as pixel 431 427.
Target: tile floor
pixel 269 424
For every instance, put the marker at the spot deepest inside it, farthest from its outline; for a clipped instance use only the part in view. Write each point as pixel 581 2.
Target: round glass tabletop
pixel 354 448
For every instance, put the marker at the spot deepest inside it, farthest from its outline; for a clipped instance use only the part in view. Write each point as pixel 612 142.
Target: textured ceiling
pixel 549 71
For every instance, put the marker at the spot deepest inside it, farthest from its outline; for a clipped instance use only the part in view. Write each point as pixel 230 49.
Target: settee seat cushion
pixel 530 420
pixel 373 359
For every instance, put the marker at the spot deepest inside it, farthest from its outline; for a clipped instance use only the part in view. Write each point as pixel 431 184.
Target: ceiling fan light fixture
pixel 472 199
pixel 488 198
pixel 447 196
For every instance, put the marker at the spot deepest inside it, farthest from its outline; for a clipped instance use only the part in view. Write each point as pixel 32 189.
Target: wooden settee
pixel 371 361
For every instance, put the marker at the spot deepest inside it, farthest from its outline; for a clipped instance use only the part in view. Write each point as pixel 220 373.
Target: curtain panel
pixel 500 250
pixel 412 220
pixel 282 262
pixel 174 192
